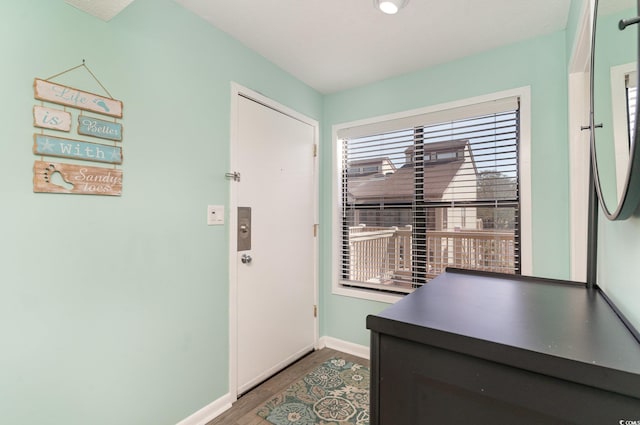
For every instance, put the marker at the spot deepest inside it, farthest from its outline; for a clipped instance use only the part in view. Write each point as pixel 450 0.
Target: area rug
pixel 335 393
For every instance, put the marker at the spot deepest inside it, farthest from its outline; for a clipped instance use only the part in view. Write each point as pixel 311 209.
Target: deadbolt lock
pixel 244 228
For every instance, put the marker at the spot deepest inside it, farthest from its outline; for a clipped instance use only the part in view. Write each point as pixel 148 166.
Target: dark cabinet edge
pixel 618 381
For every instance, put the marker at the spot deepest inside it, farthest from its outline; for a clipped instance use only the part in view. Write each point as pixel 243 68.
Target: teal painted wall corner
pixel 114 310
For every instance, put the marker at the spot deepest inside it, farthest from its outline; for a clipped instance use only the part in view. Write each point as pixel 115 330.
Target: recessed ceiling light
pixel 390 7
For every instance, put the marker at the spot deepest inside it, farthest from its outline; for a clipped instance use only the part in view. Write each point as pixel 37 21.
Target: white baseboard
pixel 209 412
pixel 345 346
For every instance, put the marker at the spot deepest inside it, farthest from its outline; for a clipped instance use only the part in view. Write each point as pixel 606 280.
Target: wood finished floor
pixel 243 411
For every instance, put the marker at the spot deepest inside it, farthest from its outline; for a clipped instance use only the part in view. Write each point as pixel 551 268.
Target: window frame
pixel 524 93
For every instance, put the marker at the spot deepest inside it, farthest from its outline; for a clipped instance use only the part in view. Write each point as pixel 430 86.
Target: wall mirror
pixel 614 81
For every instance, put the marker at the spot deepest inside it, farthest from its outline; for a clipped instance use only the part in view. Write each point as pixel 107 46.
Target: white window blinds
pixel 427 192
pixel 631 85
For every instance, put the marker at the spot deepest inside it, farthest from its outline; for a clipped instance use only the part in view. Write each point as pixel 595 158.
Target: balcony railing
pixel 384 254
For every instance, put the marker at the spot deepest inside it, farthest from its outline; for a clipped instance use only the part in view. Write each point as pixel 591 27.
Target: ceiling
pixel 333 45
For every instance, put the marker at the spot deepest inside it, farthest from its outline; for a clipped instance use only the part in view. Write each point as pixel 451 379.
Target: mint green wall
pixel 114 310
pixel 539 63
pixel 618 266
pixel 618 247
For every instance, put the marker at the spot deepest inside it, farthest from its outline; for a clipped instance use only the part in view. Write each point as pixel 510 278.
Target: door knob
pixel 246 258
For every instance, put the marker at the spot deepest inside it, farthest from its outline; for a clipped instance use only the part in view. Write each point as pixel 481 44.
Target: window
pixel 451 199
pixel 631 95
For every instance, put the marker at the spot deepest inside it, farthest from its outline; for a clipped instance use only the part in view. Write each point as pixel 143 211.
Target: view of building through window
pixel 418 200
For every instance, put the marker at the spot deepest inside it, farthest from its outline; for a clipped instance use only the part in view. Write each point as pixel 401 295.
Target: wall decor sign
pixel 68 96
pixel 95 127
pixel 55 177
pixel 75 149
pixel 62 104
pixel 53 119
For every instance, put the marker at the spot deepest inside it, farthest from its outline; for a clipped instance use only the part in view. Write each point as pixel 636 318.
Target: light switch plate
pixel 215 215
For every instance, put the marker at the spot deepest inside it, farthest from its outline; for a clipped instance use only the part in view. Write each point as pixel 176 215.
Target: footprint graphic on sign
pixel 101 104
pixel 53 176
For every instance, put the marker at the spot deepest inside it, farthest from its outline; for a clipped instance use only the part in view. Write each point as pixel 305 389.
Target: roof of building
pixel 399 186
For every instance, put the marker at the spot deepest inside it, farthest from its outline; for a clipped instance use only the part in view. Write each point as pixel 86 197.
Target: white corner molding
pixel 209 412
pixel 579 161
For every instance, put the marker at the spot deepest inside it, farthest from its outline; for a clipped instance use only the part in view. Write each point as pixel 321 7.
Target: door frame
pixel 579 148
pixel 236 91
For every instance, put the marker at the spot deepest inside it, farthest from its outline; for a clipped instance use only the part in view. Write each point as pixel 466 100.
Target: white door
pixel 274 154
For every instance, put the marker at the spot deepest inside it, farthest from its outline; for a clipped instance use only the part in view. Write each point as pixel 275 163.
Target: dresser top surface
pixel 562 320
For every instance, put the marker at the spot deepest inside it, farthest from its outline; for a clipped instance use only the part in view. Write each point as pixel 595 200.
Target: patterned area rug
pixel 336 393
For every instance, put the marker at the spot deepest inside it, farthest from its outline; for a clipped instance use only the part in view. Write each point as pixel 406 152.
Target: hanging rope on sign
pixel 82 65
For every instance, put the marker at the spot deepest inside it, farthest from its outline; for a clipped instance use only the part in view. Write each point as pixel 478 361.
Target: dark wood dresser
pixel 483 348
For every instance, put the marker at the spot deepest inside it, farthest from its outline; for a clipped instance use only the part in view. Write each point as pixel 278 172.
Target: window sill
pixel 365 294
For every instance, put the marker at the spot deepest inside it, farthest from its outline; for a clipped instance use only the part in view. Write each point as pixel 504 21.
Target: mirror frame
pixel 630 196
